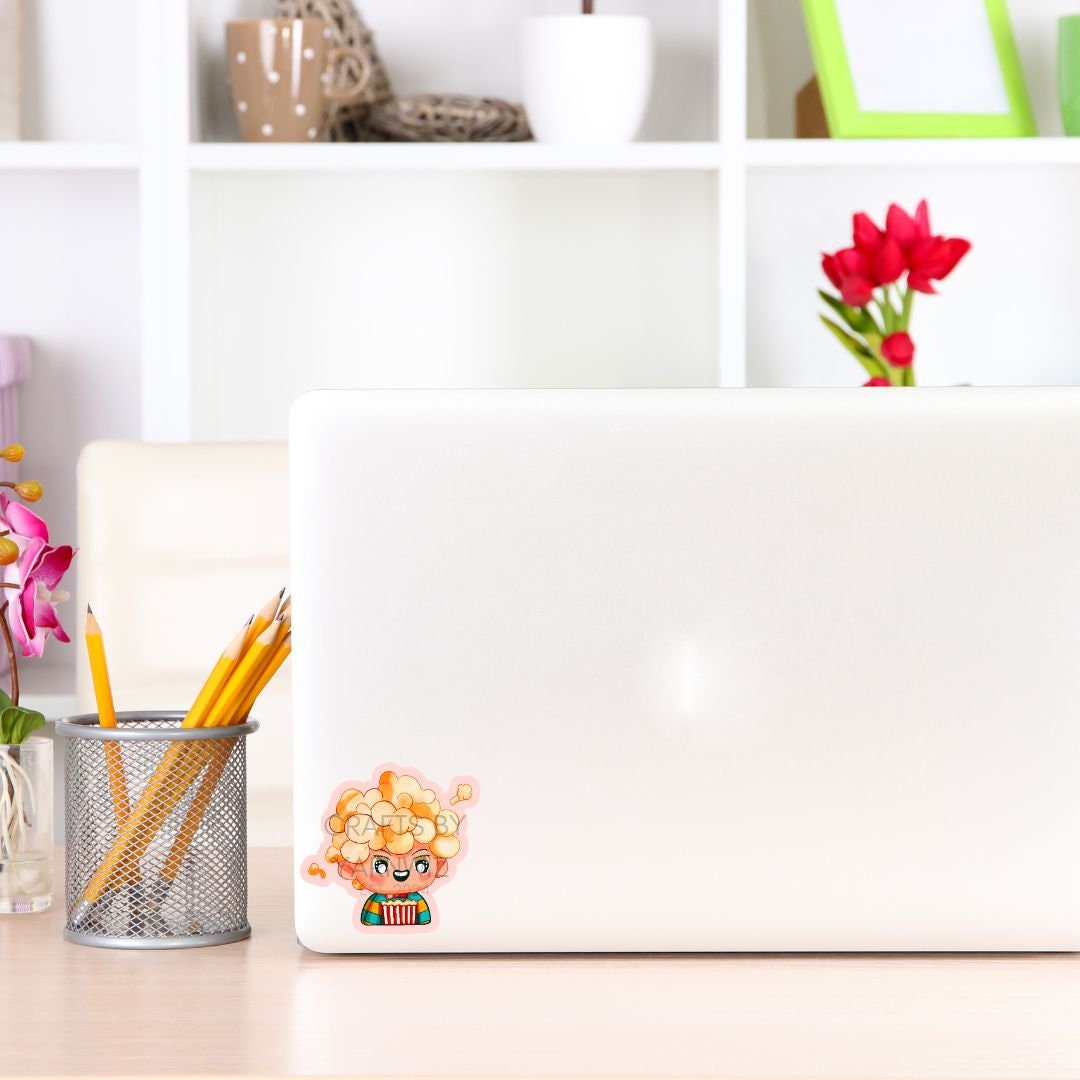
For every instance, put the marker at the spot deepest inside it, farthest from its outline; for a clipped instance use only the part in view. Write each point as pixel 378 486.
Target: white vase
pixel 586 78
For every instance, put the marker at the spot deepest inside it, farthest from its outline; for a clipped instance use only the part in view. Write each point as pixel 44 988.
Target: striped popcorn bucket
pixel 399 912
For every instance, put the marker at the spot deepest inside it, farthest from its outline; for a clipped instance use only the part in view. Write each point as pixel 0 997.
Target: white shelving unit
pixel 65 156
pixel 438 157
pixel 182 285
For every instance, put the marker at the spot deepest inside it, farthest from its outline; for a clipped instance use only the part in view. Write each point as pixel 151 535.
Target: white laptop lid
pixel 721 670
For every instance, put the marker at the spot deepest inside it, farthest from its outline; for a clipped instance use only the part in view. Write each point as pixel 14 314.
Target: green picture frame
pixel 847 120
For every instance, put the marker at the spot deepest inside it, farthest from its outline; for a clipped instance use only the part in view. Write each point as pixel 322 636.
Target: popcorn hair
pixel 396 817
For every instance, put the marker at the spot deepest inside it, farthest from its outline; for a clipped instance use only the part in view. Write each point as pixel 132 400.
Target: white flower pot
pixel 586 78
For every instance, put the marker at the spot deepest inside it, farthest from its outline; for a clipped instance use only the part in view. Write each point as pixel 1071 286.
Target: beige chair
pixel 178 544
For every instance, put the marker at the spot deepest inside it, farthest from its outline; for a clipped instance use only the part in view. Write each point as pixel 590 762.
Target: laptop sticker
pixel 391 842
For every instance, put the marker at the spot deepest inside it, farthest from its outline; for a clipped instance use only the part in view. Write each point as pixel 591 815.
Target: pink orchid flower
pixel 37 572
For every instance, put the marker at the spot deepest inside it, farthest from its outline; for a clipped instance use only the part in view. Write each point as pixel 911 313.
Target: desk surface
pixel 267 1006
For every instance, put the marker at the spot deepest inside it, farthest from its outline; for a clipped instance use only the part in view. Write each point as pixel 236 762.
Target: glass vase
pixel 26 834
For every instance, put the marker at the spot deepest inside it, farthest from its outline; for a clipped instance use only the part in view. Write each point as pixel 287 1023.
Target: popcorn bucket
pixel 399 912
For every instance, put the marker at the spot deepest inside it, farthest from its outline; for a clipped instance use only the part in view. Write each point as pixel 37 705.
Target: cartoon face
pixel 391 839
pixel 382 872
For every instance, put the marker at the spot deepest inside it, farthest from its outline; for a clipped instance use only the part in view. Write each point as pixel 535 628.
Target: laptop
pixel 701 670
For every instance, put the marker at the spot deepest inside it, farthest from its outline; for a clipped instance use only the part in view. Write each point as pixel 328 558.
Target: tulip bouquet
pixel 31 567
pixel 877 279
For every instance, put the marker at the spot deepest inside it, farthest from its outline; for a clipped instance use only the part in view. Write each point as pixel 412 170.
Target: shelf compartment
pixel 445 279
pixel 1003 318
pixel 473 48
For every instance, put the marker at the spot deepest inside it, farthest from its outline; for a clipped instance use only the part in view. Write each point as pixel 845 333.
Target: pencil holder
pixel 156 832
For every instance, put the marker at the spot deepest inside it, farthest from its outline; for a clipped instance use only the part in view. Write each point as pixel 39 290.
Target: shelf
pixel 635 157
pixel 68 156
pixel 928 153
pixel 354 157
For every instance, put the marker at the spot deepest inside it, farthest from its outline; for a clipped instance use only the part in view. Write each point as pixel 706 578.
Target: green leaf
pixel 859 319
pixel 18 724
pixel 5 701
pixel 870 363
pixel 852 344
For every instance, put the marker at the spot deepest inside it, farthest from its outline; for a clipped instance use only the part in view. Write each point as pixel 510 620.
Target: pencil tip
pixel 89 610
pixel 282 593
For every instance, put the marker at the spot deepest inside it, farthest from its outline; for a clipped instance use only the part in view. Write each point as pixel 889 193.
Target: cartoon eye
pixel 380 866
pixel 422 865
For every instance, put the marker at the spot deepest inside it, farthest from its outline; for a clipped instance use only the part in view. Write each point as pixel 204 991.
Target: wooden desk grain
pixel 266 1006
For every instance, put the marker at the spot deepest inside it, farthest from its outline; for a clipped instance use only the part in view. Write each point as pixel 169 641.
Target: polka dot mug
pixel 283 76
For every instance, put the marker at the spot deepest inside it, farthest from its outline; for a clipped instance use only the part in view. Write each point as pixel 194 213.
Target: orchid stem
pixel 12 660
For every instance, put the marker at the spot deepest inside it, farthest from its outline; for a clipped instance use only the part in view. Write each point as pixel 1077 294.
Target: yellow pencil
pixel 164 790
pixel 218 758
pixel 228 660
pixel 114 762
pixel 240 671
pixel 281 651
pixel 244 676
pixel 179 766
pixel 263 619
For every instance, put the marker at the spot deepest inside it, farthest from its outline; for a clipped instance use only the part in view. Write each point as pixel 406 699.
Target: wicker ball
pixel 447 118
pixel 379 116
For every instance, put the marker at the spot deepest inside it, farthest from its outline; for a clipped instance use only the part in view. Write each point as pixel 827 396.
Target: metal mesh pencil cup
pixel 156 832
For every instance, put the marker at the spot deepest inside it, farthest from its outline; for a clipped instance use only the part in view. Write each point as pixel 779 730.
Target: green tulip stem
pixel 905 309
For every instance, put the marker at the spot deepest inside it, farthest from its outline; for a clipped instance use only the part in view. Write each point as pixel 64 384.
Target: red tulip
pixel 929 258
pixel 877 380
pixel 884 255
pixel 906 230
pixel 898 349
pixel 849 271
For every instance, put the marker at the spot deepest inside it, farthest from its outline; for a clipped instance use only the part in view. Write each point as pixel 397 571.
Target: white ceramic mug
pixel 587 78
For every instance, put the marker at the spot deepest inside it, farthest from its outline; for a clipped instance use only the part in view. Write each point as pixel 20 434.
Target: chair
pixel 177 544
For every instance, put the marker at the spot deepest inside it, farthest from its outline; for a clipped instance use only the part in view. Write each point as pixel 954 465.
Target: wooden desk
pixel 266 1006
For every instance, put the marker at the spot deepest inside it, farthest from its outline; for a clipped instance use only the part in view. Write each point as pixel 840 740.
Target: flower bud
pixel 13 453
pixel 898 349
pixel 9 551
pixel 30 490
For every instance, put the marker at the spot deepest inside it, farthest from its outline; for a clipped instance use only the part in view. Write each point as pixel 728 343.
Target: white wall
pixel 81 70
pixel 70 280
pixel 442 279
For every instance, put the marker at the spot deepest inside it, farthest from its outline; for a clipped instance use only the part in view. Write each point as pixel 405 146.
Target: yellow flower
pixel 13 453
pixel 30 490
pixel 9 551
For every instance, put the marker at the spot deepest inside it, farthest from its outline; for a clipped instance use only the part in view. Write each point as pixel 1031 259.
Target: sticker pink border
pixel 445 794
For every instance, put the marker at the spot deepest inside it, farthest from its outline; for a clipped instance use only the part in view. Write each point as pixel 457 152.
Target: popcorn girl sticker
pixel 395 838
